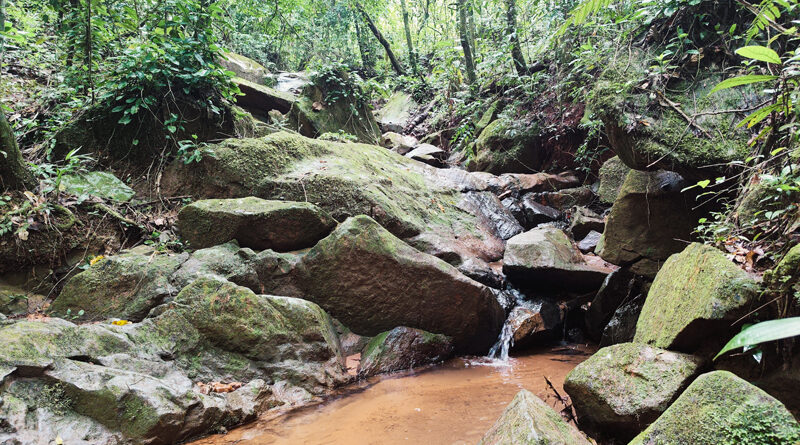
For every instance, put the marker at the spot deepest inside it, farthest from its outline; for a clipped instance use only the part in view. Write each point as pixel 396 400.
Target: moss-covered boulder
pixel 720 408
pixel 256 223
pixel 259 99
pixel 647 130
pixel 507 147
pixel 138 382
pixel 244 67
pixel 545 257
pixel 345 179
pixel 693 301
pixel 612 176
pixel 527 420
pixel 621 389
pixel 403 348
pixel 394 115
pixel 123 286
pixel 649 221
pixel 333 103
pixel 372 282
pixel 13 300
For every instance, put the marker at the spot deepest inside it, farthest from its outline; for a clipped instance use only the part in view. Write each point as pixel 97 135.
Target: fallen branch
pixel 678 110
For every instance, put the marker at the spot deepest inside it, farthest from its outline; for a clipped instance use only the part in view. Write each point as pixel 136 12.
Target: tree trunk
pixel 412 55
pixel 14 174
pixel 462 30
pixel 88 51
pixel 395 64
pixel 367 61
pixel 511 30
pixel 472 30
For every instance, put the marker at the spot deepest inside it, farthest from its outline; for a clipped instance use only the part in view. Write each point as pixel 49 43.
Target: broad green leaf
pixel 760 53
pixel 763 332
pixel 742 80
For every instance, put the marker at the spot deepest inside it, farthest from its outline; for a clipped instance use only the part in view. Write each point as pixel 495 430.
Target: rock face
pixel 106 384
pixel 403 348
pixel 13 300
pixel 528 420
pixel 244 67
pixel 394 115
pixel 531 322
pixel 694 299
pixel 582 221
pixel 625 387
pixel 619 287
pixel 719 407
pixel 406 197
pixel 124 286
pixel 621 327
pixel 398 143
pixel 318 112
pixel 502 147
pixel 648 221
pixel 372 282
pixel 256 223
pixel 612 176
pixel 545 257
pixel 260 99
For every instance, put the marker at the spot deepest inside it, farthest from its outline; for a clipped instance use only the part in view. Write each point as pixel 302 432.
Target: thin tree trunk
pixel 462 30
pixel 472 30
pixel 14 174
pixel 367 61
pixel 88 51
pixel 388 47
pixel 511 30
pixel 412 55
pixel 2 28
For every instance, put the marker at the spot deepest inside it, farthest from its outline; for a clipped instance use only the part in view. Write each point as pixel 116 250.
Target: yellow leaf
pixel 94 260
pixel 59 440
pixel 120 322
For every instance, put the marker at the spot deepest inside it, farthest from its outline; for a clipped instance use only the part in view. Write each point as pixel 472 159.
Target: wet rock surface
pixel 403 348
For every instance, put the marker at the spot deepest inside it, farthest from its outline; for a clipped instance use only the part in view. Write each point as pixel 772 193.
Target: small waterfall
pixel 503 344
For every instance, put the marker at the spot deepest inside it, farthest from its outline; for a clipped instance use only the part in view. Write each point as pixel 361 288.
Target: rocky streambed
pixel 305 254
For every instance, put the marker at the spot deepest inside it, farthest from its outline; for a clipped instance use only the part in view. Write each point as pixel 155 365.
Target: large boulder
pixel 123 286
pixel 506 147
pixel 527 420
pixel 621 389
pixel 372 281
pixel 649 221
pixel 533 322
pixel 694 300
pixel 334 103
pixel 545 257
pixel 621 328
pixel 719 408
pixel 649 130
pixel 256 223
pixel 142 382
pixel 244 67
pixel 406 197
pixel 394 115
pixel 403 348
pixel 260 99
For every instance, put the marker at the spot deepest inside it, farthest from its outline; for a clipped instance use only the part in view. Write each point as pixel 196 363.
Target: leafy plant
pixel 761 333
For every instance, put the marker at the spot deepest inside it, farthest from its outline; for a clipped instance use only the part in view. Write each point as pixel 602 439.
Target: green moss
pixel 505 146
pixel 696 285
pixel 720 408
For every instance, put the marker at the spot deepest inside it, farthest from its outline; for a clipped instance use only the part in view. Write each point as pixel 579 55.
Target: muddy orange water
pixel 453 403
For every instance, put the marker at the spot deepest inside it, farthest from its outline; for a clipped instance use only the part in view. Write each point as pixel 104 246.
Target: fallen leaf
pixel 94 260
pixel 120 322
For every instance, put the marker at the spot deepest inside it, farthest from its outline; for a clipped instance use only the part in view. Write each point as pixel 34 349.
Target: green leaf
pixel 760 53
pixel 742 80
pixel 763 332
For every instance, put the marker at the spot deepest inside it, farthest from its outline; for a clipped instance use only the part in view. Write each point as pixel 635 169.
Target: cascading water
pixel 509 299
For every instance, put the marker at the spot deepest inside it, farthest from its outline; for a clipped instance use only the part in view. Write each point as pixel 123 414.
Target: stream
pixel 455 402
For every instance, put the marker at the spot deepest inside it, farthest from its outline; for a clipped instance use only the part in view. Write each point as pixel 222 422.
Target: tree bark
pixel 14 174
pixel 367 59
pixel 462 30
pixel 375 31
pixel 511 30
pixel 88 52
pixel 412 55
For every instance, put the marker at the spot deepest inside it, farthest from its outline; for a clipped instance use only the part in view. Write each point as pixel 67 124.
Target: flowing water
pixel 452 403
